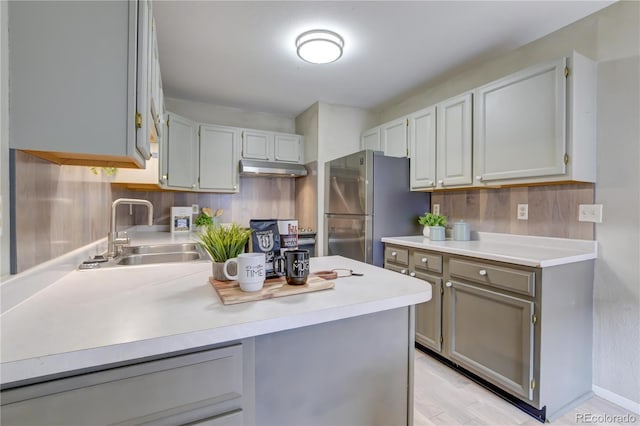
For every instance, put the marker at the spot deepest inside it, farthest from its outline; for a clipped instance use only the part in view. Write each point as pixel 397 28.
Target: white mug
pixel 251 271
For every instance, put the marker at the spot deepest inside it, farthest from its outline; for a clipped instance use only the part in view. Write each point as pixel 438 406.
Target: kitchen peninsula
pixel 155 344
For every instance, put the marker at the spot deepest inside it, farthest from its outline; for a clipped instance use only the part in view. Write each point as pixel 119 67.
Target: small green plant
pixel 224 242
pixel 431 219
pixel 203 219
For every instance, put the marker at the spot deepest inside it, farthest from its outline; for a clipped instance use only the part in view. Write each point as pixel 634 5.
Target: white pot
pixel 425 231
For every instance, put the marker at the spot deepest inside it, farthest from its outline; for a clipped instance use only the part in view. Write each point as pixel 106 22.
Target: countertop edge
pixel 579 254
pixel 17 373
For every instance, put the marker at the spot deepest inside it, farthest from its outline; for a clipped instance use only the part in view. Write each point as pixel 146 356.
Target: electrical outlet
pixel 523 212
pixel 590 213
pixel 436 209
pixel 195 209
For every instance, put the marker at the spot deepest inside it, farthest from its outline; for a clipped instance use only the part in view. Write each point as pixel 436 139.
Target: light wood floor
pixel 442 396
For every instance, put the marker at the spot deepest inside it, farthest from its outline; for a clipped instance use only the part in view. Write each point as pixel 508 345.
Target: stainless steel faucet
pixel 113 241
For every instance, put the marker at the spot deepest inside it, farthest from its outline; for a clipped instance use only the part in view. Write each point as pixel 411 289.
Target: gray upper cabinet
pixel 79 79
pixel 537 125
pixel 454 149
pixel 181 149
pixel 422 142
pixel 218 158
pixel 271 146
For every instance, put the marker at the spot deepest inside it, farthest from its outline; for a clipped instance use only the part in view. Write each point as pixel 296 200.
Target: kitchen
pixel 609 37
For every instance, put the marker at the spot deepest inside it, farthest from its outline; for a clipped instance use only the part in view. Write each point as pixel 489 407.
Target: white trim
pixel 623 402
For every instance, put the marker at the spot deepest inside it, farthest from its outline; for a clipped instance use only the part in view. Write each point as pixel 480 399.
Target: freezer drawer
pixel 349 236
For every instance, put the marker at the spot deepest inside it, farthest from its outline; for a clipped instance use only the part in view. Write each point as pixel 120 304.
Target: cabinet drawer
pixel 516 280
pixel 396 268
pixel 396 255
pixel 427 261
pixel 139 391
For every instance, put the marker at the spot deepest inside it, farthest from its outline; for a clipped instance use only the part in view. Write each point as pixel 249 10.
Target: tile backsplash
pixel 553 209
pixel 62 208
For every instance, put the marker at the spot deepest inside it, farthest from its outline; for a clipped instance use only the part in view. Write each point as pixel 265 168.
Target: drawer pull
pixel 403 271
pixel 412 274
pixel 424 260
pixel 449 284
pixel 482 272
pixel 394 253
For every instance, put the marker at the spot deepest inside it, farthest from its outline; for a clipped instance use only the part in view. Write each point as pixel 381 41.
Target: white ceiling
pixel 241 53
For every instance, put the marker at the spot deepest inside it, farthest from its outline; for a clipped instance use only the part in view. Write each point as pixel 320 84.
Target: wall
pixel 611 37
pixel 4 142
pixel 331 131
pixel 617 272
pixel 58 209
pixel 553 210
pixel 226 116
pixel 259 198
pixel 61 208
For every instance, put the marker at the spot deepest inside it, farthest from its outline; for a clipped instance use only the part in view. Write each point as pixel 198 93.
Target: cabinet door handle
pixel 193 186
pixel 403 271
pixel 424 260
pixel 449 284
pixel 479 178
pixel 412 274
pixel 394 254
pixel 482 272
pixel 441 182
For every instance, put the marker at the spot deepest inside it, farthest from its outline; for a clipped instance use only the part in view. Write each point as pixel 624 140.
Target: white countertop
pixel 524 250
pixel 91 318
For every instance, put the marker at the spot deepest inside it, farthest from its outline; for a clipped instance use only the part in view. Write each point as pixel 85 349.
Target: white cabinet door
pixel 422 142
pixel 520 129
pixel 144 119
pixel 454 148
pixel 181 150
pixel 73 82
pixel 287 148
pixel 371 139
pixel 257 145
pixel 394 138
pixel 218 158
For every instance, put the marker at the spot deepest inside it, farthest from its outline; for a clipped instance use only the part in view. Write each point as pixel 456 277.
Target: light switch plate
pixel 523 212
pixel 436 209
pixel 590 213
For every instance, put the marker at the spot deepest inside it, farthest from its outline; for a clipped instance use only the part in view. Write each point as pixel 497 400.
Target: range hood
pixel 271 168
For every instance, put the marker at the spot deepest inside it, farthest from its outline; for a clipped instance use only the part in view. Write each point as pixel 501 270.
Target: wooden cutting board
pixel 230 293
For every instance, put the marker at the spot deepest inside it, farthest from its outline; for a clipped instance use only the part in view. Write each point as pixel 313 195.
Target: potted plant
pixel 204 220
pixel 430 221
pixel 223 243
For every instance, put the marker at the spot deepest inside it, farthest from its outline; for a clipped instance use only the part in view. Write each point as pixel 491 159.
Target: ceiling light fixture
pixel 319 46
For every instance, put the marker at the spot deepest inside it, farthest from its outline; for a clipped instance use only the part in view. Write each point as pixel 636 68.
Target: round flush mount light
pixel 319 46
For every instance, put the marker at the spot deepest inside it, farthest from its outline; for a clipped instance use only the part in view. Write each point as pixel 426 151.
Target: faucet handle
pixel 121 240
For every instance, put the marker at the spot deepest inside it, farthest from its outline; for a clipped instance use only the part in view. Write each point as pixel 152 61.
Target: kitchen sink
pixel 160 249
pixel 146 259
pixel 149 255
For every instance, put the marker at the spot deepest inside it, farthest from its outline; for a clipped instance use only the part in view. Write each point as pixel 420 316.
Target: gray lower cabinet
pixel 526 330
pixel 203 388
pixel 492 334
pixel 427 267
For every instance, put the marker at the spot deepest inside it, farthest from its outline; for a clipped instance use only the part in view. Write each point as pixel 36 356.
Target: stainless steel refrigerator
pixel 367 197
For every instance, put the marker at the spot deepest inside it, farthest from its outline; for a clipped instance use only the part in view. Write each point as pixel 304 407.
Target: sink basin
pixel 146 259
pixel 152 254
pixel 161 248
